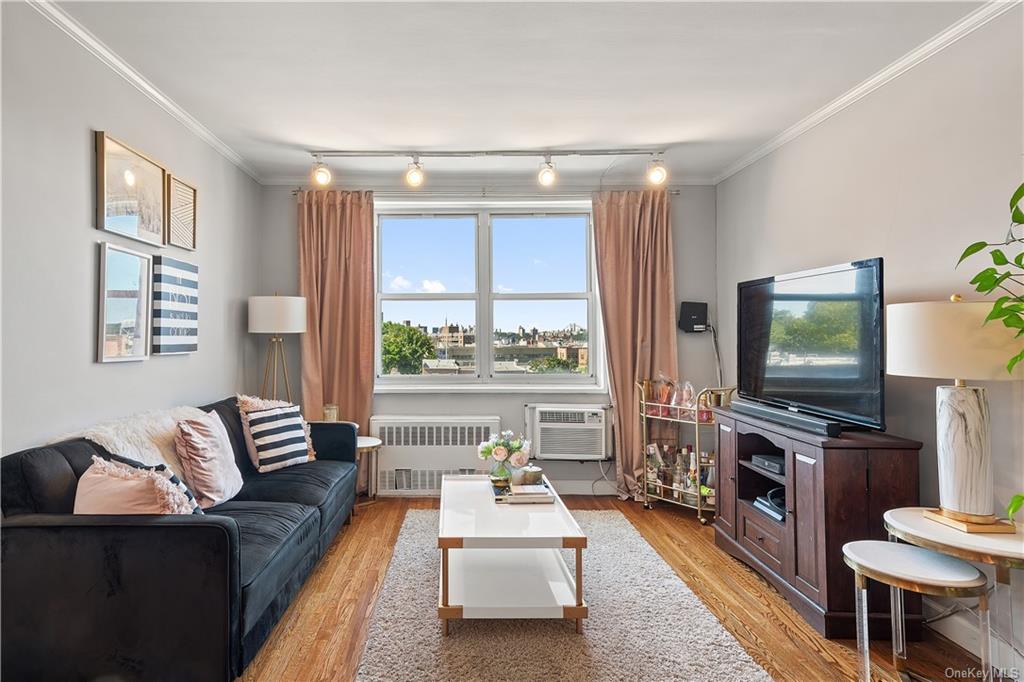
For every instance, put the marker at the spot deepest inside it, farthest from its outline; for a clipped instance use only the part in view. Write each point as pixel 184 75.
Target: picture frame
pixel 181 213
pixel 175 310
pixel 131 192
pixel 123 315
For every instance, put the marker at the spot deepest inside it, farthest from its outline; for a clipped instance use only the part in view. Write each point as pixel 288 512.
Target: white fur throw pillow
pixel 146 437
pixel 114 488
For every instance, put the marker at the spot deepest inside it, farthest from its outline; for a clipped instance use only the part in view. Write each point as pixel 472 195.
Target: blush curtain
pixel 336 277
pixel 633 244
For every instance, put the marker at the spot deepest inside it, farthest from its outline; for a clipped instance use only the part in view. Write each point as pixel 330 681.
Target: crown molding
pixel 115 63
pixel 975 20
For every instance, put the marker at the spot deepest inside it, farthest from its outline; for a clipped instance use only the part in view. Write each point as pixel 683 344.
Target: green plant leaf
pixel 1013 321
pixel 1016 214
pixel 999 258
pixel 1019 260
pixel 987 272
pixel 1015 359
pixel 971 250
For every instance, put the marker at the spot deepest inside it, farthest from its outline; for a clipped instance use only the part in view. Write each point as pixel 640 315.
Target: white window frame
pixel 485 379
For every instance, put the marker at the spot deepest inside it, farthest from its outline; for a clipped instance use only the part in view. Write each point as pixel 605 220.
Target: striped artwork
pixel 175 306
pixel 278 437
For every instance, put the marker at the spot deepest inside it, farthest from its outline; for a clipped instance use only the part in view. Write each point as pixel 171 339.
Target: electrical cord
pixel 718 357
pixel 604 475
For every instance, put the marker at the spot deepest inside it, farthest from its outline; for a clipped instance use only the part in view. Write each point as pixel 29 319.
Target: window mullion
pixel 485 328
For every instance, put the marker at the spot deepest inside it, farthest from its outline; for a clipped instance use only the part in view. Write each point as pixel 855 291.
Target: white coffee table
pixel 505 560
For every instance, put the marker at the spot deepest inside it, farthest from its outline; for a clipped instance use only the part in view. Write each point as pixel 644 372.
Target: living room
pixel 588 341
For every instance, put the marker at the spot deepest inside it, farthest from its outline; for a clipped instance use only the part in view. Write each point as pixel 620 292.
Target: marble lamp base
pixel 964 453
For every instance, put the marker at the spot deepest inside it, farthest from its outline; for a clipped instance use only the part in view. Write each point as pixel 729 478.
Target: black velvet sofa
pixel 178 597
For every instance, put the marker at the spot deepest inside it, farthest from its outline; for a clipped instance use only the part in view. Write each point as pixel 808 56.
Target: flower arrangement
pixel 505 449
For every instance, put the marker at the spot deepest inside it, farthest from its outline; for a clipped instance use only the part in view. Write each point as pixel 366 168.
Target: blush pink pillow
pixel 113 488
pixel 207 461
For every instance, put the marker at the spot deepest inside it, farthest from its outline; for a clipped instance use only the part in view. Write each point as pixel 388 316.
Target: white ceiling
pixel 710 81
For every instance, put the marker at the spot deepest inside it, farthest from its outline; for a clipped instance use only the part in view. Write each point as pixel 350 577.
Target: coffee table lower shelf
pixel 510 583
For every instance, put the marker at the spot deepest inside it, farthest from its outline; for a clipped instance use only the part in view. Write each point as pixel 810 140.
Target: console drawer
pixel 760 535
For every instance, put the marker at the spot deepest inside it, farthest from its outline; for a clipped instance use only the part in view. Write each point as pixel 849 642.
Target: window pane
pixel 538 254
pixel 541 337
pixel 428 337
pixel 427 255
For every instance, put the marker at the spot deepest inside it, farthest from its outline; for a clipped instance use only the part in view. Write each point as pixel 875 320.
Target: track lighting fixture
pixel 547 175
pixel 321 173
pixel 415 176
pixel 657 174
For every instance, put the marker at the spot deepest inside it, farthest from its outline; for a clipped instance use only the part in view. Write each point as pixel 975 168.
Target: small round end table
pixel 369 446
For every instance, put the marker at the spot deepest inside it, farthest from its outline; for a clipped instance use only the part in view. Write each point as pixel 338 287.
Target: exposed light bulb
pixel 321 174
pixel 657 174
pixel 547 175
pixel 129 178
pixel 415 176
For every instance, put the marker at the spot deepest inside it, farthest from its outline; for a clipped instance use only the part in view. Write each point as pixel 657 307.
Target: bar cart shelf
pixel 697 418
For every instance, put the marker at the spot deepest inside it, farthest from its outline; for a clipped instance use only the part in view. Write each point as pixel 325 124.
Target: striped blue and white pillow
pixel 278 438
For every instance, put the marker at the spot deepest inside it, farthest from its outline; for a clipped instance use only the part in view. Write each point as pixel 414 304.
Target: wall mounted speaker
pixel 693 316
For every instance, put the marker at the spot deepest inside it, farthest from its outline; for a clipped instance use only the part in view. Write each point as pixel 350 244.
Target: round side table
pixel 369 446
pixel 1004 551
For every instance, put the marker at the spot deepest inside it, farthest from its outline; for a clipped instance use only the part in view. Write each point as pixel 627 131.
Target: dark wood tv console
pixel 836 490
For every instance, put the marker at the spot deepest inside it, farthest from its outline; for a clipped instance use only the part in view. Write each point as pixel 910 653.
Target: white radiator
pixel 570 432
pixel 417 451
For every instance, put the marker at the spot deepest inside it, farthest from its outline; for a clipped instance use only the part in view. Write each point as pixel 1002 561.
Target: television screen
pixel 813 341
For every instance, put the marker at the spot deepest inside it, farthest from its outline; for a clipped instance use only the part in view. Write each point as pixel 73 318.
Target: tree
pixel 552 364
pixel 404 348
pixel 826 327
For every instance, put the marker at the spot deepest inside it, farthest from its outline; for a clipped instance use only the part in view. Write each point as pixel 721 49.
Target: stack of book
pixel 524 494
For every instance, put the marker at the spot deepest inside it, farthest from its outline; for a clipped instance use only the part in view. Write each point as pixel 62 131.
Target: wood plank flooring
pixel 321 637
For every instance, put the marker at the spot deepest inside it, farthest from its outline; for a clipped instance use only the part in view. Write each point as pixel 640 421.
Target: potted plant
pixel 505 449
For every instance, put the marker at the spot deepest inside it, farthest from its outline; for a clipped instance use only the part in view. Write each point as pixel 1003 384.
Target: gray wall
pixel 51 382
pixel 913 172
pixel 693 220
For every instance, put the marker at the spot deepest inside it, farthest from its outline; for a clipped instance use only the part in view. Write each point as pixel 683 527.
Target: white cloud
pixel 537 262
pixel 433 286
pixel 400 283
pixel 502 289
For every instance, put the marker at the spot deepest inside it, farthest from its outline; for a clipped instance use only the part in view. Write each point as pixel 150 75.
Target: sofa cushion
pixel 322 483
pixel 276 540
pixel 44 480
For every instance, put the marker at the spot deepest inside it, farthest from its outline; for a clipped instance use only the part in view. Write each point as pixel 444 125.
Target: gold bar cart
pixel 684 417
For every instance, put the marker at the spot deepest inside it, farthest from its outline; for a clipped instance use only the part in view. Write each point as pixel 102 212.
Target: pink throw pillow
pixel 207 461
pixel 251 403
pixel 114 488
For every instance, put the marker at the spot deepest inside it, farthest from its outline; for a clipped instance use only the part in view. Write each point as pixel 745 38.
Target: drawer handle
pixel 732 478
pixel 789 511
pixel 760 538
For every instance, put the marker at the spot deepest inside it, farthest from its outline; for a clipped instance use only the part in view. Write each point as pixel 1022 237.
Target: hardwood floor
pixel 321 636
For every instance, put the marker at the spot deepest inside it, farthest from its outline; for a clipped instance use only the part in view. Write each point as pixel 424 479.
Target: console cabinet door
pixel 805 510
pixel 725 520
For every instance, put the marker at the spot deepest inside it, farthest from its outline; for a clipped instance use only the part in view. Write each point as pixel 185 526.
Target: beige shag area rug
pixel 644 624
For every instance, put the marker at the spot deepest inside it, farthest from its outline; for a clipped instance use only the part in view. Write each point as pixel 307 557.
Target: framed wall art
pixel 124 293
pixel 181 213
pixel 131 192
pixel 175 306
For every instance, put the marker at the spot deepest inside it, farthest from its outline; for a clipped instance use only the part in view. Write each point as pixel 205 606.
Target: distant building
pixel 440 367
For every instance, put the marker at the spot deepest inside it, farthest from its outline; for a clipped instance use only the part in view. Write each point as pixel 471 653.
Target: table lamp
pixel 276 315
pixel 944 340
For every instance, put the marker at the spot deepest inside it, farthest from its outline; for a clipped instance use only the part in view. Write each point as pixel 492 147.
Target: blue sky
pixel 531 255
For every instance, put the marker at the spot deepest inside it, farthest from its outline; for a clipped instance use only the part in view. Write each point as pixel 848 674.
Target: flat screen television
pixel 813 342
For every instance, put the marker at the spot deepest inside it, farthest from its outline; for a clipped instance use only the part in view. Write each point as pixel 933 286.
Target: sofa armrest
pixel 120 597
pixel 334 440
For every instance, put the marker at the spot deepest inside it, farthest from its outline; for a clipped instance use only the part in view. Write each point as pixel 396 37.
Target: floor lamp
pixel 948 340
pixel 276 315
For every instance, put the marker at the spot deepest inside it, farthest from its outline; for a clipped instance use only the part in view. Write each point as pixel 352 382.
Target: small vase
pixel 500 474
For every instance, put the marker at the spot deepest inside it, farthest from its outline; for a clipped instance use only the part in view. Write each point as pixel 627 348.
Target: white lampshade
pixel 946 340
pixel 277 314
